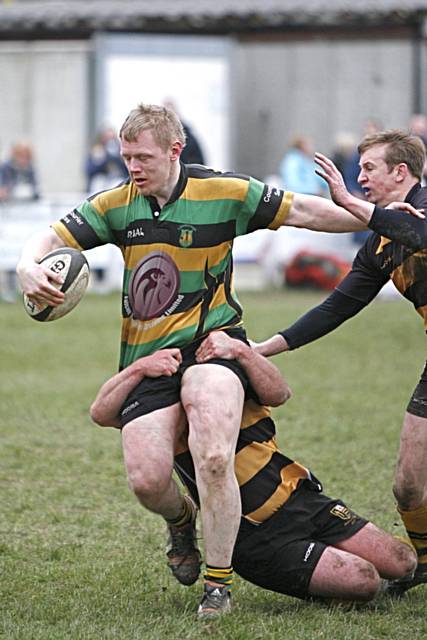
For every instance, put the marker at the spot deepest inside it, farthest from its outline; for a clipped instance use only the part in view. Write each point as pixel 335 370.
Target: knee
pixel 366 581
pixel 97 415
pixel 215 465
pixel 145 484
pixel 404 560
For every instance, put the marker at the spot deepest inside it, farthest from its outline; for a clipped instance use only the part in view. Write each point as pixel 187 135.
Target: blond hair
pixel 400 147
pixel 164 124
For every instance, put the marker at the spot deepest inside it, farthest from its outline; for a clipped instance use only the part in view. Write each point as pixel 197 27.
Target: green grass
pixel 81 560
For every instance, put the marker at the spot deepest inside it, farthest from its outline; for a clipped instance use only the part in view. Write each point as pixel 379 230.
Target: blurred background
pixel 259 85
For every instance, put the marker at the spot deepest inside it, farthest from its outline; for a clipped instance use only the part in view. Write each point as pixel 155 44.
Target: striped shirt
pixel 266 477
pixel 178 277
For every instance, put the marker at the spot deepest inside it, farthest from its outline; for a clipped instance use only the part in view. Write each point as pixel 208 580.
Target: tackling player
pixel 391 166
pixel 292 538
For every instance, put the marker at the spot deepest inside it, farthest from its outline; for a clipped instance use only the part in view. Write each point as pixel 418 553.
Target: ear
pixel 176 150
pixel 401 172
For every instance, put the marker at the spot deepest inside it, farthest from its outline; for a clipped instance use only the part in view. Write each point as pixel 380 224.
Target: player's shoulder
pixel 418 196
pixel 113 198
pixel 210 184
pixel 204 172
pixel 423 195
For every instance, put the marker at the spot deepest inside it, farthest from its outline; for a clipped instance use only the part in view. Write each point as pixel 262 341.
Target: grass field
pixel 81 560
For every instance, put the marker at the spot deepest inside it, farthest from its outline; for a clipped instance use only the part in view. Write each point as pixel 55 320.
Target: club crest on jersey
pixel 340 511
pixel 186 235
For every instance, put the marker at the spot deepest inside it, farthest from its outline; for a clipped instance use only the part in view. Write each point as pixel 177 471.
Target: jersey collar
pixel 180 185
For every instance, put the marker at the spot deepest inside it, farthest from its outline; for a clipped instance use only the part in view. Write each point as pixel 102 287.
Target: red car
pixel 315 270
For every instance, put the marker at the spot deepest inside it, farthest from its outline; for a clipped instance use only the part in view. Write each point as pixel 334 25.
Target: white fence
pixel 20 220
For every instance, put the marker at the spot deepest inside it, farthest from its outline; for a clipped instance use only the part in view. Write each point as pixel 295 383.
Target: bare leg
pixel 352 569
pixel 390 557
pixel 212 397
pixel 344 576
pixel 148 448
pixel 410 488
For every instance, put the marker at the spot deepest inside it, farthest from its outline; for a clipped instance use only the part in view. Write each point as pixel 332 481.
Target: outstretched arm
pixel 347 213
pixel 105 409
pixel 314 324
pixel 265 378
pixel 320 214
pixel 271 346
pixel 392 222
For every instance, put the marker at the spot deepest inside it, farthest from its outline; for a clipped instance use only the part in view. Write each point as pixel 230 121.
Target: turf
pixel 81 560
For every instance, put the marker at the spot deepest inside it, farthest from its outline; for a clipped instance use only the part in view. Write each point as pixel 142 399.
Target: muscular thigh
pixel 380 548
pixel 212 397
pixel 149 441
pixel 151 395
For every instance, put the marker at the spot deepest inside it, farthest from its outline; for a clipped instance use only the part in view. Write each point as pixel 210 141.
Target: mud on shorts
pixel 157 393
pixel 418 403
pixel 281 553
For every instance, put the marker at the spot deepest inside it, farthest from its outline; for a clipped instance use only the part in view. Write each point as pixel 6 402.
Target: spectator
pixel 418 126
pixel 192 152
pixel 297 168
pixel 345 146
pixel 17 175
pixel 104 165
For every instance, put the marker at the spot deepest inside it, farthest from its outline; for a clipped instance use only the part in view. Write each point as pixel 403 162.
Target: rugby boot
pixel 182 551
pixel 216 601
pixel 398 588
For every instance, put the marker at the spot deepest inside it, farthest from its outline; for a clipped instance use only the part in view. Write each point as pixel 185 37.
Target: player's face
pixel 149 166
pixel 375 178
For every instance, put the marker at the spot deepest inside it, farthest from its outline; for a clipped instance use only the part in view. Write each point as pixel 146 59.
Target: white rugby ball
pixel 74 268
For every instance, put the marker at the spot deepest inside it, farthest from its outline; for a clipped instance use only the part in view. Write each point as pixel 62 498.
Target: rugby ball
pixel 74 268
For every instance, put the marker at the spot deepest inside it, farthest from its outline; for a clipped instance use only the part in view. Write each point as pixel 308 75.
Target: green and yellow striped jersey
pixel 178 277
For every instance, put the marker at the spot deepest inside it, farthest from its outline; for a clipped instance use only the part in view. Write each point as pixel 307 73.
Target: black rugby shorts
pixel 281 553
pixel 157 393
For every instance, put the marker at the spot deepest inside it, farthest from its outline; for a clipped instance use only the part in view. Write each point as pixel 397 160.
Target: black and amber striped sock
pixel 416 526
pixel 185 515
pixel 219 575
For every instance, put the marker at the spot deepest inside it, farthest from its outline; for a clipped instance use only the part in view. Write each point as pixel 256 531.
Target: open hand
pixel 333 177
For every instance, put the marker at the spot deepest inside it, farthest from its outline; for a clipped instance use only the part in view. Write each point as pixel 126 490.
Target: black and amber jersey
pixel 178 278
pixel 379 260
pixel 266 477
